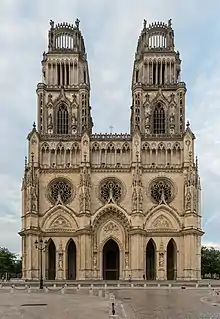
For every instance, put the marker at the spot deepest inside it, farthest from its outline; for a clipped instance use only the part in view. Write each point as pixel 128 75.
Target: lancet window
pixel 62 119
pixel 159 119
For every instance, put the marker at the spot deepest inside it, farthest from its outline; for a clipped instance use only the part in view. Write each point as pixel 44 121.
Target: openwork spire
pixel 156 36
pixel 66 37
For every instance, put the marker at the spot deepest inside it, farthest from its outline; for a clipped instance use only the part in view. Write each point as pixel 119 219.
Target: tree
pixel 9 263
pixel 210 261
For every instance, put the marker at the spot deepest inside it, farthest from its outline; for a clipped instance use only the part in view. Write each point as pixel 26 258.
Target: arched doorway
pixel 111 260
pixel 71 260
pixel 51 260
pixel 171 260
pixel 151 260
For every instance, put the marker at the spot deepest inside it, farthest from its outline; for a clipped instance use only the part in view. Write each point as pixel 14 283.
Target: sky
pixel 111 29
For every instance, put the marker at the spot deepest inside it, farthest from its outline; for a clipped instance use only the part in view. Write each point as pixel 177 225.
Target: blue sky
pixel 111 29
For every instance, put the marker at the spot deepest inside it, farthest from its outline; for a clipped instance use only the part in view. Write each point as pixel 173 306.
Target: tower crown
pixel 64 37
pixel 157 36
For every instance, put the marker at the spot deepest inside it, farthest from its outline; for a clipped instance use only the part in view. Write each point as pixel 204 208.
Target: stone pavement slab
pixel 170 304
pixel 52 306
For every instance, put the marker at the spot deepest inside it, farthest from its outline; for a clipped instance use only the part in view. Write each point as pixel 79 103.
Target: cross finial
pixel 111 128
pixel 187 124
pixel 34 125
pixel 77 23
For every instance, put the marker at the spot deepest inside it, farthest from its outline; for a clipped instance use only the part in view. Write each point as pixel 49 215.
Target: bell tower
pixel 158 95
pixel 64 94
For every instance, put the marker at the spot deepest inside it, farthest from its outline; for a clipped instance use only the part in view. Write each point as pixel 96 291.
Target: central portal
pixel 111 262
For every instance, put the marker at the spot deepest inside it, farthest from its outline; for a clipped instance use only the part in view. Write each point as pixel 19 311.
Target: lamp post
pixel 41 246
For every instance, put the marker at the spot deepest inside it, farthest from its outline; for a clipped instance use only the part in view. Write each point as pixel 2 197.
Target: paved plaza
pixel 138 303
pixel 52 306
pixel 170 303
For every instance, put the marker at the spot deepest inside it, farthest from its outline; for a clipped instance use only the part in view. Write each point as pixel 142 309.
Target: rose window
pixel 60 189
pixel 161 190
pixel 110 190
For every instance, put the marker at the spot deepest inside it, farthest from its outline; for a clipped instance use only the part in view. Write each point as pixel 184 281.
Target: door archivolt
pixel 111 229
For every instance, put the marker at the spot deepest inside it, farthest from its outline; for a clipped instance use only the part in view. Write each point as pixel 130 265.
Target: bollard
pixel 197 285
pixel 158 285
pixel 91 292
pixel 29 289
pixel 63 291
pixel 118 285
pixel 170 285
pixel 78 286
pixel 46 289
pixel 113 308
pixel 100 293
pixel 54 285
pixel 12 289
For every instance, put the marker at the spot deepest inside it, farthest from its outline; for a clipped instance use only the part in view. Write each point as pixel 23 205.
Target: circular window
pixel 110 190
pixel 60 189
pixel 161 190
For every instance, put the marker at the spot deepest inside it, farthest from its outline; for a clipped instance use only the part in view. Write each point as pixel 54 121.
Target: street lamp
pixel 41 246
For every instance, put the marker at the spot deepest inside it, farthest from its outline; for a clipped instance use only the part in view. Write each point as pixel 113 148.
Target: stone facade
pixel 111 206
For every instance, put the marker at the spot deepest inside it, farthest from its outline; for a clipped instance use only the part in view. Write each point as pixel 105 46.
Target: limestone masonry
pixel 111 206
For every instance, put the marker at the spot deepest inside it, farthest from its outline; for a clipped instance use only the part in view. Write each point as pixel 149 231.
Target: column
pixel 136 252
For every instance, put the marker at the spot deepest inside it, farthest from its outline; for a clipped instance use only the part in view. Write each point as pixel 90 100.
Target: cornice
pixel 54 170
pixel 162 137
pixel 192 231
pixel 162 169
pixel 137 231
pixel 111 170
pixel 58 138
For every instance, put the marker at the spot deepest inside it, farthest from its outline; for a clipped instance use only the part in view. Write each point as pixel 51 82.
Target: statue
pixel 172 118
pixel 161 260
pixel 94 261
pixel 50 121
pixel 170 23
pixel 51 23
pixel 77 23
pixel 74 121
pixel 145 23
pixel 61 260
pixel 134 199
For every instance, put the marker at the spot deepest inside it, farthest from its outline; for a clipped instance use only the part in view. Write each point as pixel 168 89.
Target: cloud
pixel 111 30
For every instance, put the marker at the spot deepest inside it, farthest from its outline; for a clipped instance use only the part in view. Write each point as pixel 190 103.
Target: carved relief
pixel 60 222
pixel 162 222
pixel 111 228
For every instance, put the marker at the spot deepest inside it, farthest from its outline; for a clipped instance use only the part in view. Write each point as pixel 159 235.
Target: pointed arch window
pixel 159 119
pixel 62 119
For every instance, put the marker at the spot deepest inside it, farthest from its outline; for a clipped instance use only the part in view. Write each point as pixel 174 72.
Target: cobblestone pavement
pixel 52 306
pixel 169 303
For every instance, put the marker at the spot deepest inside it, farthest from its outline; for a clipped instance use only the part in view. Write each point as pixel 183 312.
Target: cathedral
pixel 107 206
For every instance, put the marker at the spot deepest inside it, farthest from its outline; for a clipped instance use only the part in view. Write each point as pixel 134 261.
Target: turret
pixel 158 96
pixel 64 94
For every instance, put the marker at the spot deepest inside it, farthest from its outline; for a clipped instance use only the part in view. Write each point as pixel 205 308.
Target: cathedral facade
pixel 111 206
